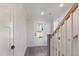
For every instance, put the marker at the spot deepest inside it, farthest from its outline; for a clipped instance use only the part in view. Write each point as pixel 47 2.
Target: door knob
pixel 12 47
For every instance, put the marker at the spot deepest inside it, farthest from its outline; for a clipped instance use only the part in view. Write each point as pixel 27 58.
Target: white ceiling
pixel 53 9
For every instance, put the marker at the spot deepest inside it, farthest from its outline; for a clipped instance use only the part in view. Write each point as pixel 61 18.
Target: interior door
pixel 4 29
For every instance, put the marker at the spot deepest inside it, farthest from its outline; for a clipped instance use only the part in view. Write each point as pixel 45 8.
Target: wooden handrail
pixel 70 10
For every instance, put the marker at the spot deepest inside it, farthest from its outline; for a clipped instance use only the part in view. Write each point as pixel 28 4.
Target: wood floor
pixel 37 51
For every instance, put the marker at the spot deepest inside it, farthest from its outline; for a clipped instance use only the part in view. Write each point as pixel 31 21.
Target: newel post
pixel 49 36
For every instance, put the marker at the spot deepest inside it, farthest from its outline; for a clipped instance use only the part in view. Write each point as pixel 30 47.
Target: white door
pixel 4 29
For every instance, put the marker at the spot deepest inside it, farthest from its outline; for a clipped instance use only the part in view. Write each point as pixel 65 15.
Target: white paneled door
pixel 5 30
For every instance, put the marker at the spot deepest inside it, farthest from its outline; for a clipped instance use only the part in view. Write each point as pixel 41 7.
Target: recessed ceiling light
pixel 61 5
pixel 42 13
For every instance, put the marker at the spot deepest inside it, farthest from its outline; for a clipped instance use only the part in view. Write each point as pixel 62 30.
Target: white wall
pixel 32 41
pixel 20 30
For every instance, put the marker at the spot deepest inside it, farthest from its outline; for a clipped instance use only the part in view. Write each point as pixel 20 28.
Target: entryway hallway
pixel 39 29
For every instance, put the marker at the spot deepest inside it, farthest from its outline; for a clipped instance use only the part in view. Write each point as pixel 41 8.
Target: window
pixel 39 31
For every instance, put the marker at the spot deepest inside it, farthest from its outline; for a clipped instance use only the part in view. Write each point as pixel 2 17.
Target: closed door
pixel 5 30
